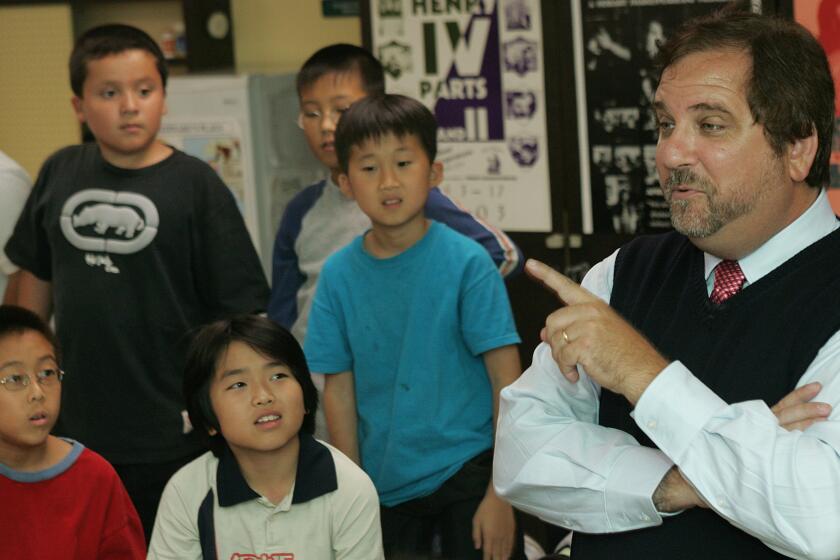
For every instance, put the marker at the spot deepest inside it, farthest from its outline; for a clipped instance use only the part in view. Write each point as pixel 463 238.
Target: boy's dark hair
pixel 340 59
pixel 372 118
pixel 266 338
pixel 106 40
pixel 789 90
pixel 17 320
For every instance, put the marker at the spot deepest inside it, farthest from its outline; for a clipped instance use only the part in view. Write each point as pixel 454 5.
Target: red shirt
pixel 77 509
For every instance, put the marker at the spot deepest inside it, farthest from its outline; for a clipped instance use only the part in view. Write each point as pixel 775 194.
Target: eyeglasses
pixel 312 118
pixel 46 378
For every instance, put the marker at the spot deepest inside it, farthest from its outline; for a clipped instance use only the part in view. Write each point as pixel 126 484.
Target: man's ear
pixel 77 108
pixel 212 431
pixel 801 154
pixel 436 174
pixel 344 185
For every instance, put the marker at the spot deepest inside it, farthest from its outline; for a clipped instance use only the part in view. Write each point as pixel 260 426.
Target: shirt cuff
pixel 674 409
pixel 628 495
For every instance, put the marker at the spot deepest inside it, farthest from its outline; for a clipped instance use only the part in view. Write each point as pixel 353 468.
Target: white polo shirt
pixel 208 511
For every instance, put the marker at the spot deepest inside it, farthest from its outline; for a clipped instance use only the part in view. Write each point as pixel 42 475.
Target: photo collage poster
pixel 478 66
pixel 615 44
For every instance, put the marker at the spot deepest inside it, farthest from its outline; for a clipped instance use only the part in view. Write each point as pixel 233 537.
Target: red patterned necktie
pixel 728 281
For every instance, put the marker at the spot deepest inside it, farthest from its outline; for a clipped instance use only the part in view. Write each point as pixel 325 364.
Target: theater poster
pixel 822 18
pixel 478 65
pixel 615 43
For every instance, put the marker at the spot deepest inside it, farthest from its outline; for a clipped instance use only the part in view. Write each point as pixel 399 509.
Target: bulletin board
pixel 479 65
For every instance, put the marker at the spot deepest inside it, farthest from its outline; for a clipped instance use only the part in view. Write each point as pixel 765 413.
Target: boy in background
pixel 60 500
pixel 412 324
pixel 320 220
pixel 136 243
pixel 268 489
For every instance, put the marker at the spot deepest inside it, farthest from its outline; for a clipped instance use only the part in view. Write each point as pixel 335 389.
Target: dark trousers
pixel 144 484
pixel 410 528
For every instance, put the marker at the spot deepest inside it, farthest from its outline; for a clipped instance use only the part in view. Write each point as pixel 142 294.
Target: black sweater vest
pixel 756 345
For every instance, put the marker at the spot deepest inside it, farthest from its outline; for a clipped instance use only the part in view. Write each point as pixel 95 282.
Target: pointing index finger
pixel 567 290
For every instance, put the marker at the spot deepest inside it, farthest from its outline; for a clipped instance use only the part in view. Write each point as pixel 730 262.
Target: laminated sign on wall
pixel 478 65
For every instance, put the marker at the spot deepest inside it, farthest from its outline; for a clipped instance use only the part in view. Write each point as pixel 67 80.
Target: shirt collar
pixel 49 473
pixel 315 475
pixel 814 224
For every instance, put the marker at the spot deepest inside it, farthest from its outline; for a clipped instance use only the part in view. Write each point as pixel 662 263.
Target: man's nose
pixel 676 148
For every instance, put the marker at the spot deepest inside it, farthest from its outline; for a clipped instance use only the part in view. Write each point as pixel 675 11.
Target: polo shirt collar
pixel 314 477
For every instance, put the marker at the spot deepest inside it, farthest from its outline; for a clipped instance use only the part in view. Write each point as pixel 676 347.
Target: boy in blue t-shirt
pixel 412 323
pixel 320 220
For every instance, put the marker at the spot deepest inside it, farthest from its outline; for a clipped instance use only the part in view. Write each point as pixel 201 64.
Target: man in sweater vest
pixel 685 402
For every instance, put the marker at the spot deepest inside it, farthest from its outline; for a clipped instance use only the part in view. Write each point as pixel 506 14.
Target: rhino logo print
pixel 123 222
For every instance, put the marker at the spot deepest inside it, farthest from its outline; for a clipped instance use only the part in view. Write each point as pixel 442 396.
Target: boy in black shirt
pixel 135 243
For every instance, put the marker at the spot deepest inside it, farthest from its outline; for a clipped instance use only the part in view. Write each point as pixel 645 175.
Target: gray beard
pixel 704 222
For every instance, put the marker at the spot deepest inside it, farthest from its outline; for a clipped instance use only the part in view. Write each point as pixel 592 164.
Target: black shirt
pixel 137 259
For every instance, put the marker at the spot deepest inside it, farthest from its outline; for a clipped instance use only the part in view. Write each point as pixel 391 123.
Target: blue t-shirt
pixel 412 329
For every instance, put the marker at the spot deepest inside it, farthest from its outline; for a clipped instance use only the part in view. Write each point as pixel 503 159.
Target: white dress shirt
pixel 552 458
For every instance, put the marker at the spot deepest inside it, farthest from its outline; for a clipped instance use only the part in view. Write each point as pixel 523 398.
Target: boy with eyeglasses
pixel 59 499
